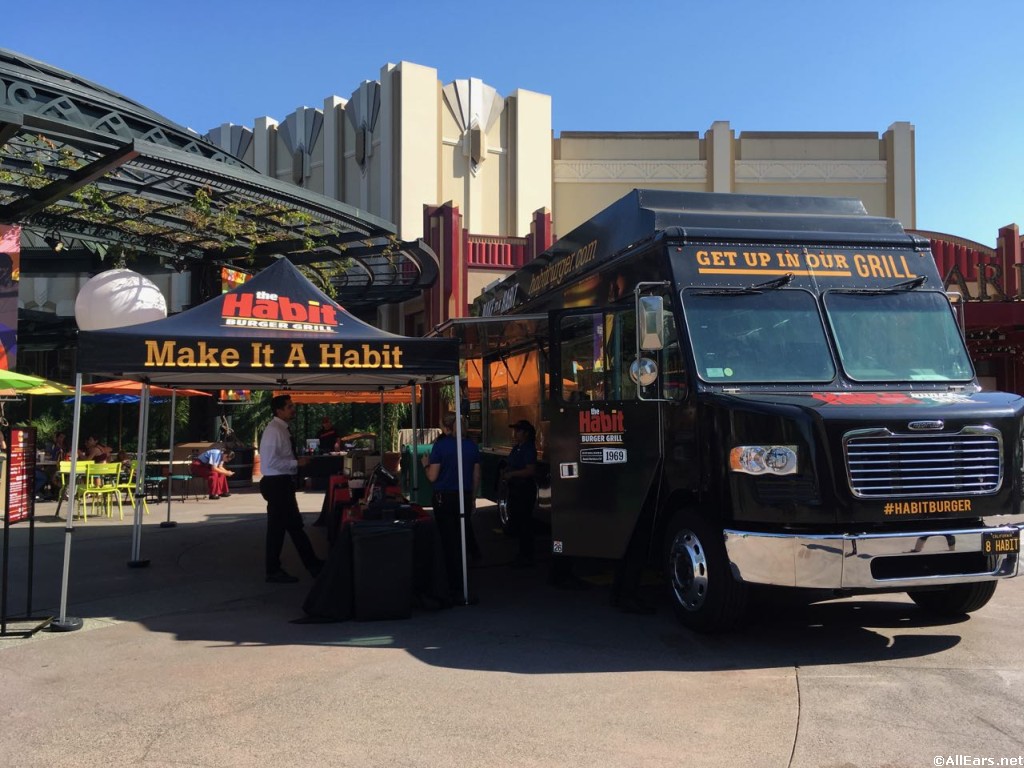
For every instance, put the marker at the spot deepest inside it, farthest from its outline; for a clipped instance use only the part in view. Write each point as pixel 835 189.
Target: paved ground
pixel 194 661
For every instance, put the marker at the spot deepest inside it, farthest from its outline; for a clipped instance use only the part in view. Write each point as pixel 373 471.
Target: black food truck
pixel 766 390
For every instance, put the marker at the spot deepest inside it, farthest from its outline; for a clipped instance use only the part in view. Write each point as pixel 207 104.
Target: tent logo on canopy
pixel 266 310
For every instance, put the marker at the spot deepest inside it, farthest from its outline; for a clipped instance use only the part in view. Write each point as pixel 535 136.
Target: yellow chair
pixel 101 482
pixel 64 473
pixel 126 485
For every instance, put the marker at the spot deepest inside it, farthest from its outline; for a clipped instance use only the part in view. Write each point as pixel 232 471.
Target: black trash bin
pixel 241 465
pixel 381 570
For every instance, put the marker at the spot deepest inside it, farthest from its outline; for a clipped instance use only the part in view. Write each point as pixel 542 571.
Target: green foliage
pixel 46 425
pixel 396 415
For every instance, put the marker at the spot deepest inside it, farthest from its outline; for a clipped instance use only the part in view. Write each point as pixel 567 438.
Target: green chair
pixel 101 484
pixel 126 486
pixel 63 474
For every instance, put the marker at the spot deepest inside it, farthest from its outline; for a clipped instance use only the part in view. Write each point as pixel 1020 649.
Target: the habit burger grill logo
pixel 269 311
pixel 599 427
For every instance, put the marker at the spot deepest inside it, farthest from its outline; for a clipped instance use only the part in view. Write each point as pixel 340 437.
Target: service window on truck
pixel 597 350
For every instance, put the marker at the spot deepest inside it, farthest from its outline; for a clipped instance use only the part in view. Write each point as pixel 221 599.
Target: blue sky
pixel 953 69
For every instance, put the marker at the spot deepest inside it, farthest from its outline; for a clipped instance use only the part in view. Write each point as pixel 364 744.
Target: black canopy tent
pixel 277 331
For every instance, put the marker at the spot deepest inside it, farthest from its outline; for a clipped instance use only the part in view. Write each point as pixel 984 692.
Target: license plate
pixel 1000 543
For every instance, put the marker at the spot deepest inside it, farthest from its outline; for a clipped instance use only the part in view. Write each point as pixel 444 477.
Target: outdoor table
pixel 162 473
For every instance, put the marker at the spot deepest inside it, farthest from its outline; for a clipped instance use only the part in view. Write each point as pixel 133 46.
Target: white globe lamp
pixel 116 298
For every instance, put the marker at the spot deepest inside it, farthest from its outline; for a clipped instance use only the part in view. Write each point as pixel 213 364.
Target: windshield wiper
pixel 906 285
pixel 771 285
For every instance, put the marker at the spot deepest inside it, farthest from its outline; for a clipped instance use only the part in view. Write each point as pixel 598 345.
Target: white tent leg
pixel 414 470
pixel 65 623
pixel 137 561
pixel 168 523
pixel 462 490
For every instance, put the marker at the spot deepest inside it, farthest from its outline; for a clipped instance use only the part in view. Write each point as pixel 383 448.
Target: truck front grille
pixel 881 464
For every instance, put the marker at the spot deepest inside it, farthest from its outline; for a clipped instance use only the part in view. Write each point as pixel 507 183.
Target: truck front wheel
pixel 956 599
pixel 704 594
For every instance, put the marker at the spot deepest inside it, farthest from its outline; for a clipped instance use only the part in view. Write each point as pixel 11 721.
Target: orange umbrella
pixel 129 387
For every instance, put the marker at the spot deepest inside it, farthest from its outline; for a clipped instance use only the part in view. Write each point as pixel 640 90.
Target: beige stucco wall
pixel 592 170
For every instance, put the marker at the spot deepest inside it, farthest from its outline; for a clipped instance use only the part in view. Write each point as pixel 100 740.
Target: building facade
pixel 481 178
pixel 990 283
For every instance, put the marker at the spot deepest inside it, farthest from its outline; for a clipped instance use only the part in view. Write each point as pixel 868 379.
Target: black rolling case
pixel 382 570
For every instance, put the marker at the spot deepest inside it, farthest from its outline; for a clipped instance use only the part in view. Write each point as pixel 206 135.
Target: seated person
pixel 59 448
pixel 210 464
pixel 47 479
pixel 94 450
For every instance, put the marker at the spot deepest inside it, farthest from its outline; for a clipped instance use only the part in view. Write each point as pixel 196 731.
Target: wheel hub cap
pixel 689 570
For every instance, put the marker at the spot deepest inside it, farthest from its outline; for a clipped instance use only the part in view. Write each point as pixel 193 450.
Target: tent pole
pixel 137 561
pixel 65 623
pixel 168 523
pixel 462 491
pixel 415 468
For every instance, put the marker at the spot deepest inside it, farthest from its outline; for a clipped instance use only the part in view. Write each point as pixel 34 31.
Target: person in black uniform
pixel 520 474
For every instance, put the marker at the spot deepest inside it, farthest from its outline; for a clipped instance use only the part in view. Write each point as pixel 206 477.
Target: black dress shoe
pixel 224 495
pixel 214 496
pixel 281 577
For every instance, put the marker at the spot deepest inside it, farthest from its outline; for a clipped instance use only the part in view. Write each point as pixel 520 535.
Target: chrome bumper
pixel 844 561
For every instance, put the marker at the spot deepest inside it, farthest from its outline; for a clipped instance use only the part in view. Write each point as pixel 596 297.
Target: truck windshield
pixel 897 336
pixel 757 337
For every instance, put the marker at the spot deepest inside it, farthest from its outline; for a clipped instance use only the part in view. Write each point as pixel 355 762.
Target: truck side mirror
pixel 650 320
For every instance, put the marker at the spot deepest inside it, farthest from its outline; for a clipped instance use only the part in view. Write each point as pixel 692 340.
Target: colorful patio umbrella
pixel 114 399
pixel 13 383
pixel 130 387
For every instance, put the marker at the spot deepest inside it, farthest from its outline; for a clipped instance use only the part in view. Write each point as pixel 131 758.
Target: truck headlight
pixel 763 459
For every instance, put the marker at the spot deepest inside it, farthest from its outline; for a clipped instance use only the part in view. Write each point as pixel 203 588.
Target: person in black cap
pixel 521 476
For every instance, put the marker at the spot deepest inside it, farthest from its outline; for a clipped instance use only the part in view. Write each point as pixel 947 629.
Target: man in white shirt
pixel 279 465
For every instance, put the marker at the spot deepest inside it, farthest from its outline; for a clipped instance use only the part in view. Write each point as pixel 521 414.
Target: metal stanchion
pixel 65 623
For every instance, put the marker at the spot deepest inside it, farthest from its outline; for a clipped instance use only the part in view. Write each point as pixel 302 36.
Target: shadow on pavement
pixel 205 586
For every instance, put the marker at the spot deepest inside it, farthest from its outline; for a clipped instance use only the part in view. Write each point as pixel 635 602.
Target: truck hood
pixel 919 423
pixel 896 405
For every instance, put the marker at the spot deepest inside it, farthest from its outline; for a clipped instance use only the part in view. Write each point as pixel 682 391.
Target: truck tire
pixel 704 594
pixel 954 600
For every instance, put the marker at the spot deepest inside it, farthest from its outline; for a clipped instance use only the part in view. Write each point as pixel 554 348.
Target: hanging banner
pixel 21 473
pixel 10 274
pixel 229 280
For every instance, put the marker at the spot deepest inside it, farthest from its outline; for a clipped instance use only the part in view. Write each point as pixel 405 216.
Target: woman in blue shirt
pixel 443 472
